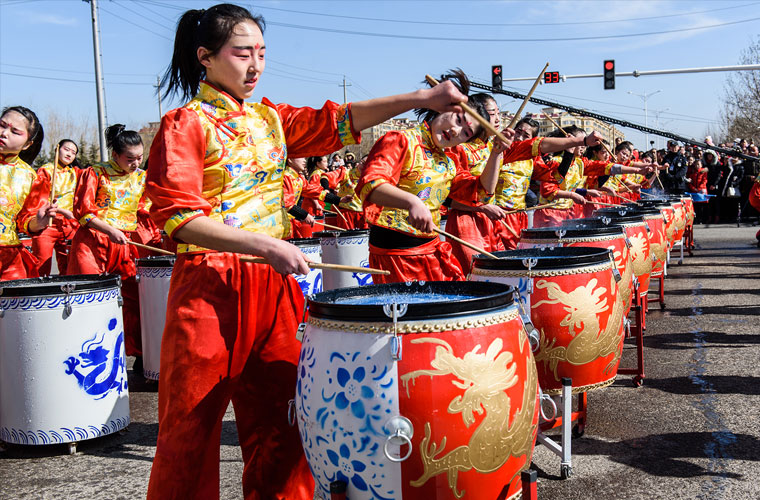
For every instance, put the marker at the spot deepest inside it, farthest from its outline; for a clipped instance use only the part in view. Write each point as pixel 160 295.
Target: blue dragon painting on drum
pixel 100 370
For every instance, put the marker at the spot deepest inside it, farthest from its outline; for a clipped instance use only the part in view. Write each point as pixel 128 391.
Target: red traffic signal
pixel 496 77
pixel 609 74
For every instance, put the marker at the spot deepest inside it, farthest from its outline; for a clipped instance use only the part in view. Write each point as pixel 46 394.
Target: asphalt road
pixel 691 431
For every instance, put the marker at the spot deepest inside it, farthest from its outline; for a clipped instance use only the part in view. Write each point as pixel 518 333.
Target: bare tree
pixel 740 116
pixel 57 127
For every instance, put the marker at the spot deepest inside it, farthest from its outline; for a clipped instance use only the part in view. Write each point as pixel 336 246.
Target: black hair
pixel 117 138
pixel 475 101
pixel 569 130
pixel 624 145
pixel 209 28
pixel 311 164
pixel 34 130
pixel 75 162
pixel 531 123
pixel 592 151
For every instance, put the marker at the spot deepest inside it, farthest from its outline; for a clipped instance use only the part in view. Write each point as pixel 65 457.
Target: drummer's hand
pixel 500 146
pixel 66 213
pixel 593 193
pixel 593 139
pixel 43 216
pixel 309 220
pixel 420 217
pixel 284 257
pixel 493 212
pixel 346 199
pixel 442 98
pixel 580 200
pixel 117 236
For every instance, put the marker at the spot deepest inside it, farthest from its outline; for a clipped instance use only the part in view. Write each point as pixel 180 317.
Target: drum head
pixel 157 261
pixel 351 233
pixel 56 285
pixel 589 230
pixel 423 300
pixel 541 259
pixel 304 242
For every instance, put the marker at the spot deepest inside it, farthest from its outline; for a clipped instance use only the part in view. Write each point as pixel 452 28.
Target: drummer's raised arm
pixel 443 97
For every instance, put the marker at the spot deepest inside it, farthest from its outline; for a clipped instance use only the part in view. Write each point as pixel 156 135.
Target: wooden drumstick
pixel 556 125
pixel 321 265
pixel 334 228
pixel 530 209
pixel 152 249
pixel 340 214
pixel 605 204
pixel 52 177
pixel 483 122
pixel 465 243
pixel 527 98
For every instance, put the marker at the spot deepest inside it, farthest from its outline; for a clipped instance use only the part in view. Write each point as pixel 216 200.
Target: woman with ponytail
pixel 215 180
pixel 106 200
pixel 20 141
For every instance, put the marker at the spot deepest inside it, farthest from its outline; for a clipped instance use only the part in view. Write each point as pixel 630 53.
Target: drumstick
pixel 509 228
pixel 52 177
pixel 605 204
pixel 321 265
pixel 527 98
pixel 548 117
pixel 152 249
pixel 485 123
pixel 465 243
pixel 530 209
pixel 330 226
pixel 340 214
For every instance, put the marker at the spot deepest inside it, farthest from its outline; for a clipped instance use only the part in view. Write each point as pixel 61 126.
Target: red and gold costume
pixel 16 179
pixel 754 194
pixel 574 178
pixel 113 196
pixel 352 211
pixel 230 326
pixel 411 161
pixel 61 228
pixel 292 186
pixel 513 185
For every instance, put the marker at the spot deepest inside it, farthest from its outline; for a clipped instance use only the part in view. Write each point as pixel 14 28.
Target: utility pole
pixel 158 92
pixel 645 97
pixel 99 90
pixel 345 100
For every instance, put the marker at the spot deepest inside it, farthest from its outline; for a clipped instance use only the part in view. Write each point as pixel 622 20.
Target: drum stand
pixel 688 237
pixel 564 404
pixel 636 330
pixel 661 288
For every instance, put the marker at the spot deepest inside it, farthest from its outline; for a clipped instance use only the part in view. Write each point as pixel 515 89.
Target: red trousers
pixel 548 217
pixel 93 253
pixel 229 336
pixel 54 237
pixel 475 228
pixel 429 262
pixel 356 220
pixel 17 263
pixel 516 222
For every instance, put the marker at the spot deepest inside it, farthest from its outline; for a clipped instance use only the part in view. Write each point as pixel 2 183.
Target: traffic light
pixel 496 77
pixel 609 74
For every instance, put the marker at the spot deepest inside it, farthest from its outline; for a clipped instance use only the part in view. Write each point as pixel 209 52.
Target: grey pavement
pixel 691 431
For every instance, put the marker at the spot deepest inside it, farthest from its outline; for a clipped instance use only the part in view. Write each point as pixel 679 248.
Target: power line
pixel 552 39
pixel 133 23
pixel 72 71
pixel 449 23
pixel 68 79
pixel 140 15
pixel 154 12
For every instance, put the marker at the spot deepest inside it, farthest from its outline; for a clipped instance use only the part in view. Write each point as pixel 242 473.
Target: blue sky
pixel 45 44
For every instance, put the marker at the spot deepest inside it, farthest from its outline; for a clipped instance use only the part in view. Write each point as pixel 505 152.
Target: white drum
pixel 153 275
pixel 312 282
pixel 63 373
pixel 348 248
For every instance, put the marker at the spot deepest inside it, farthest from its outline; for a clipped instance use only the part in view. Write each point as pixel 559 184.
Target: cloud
pixel 51 19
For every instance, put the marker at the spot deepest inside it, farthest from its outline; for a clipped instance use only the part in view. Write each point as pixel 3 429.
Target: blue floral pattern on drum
pixel 51 302
pixel 343 399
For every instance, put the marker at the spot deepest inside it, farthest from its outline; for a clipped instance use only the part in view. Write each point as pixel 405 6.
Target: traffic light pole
pixel 637 73
pixel 609 119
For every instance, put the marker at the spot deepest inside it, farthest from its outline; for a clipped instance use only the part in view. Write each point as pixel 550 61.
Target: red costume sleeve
pixel 543 172
pixel 288 192
pixel 465 187
pixel 334 177
pixel 523 150
pixel 38 194
pixel 596 168
pixel 84 196
pixel 549 189
pixel 313 189
pixel 383 165
pixel 315 132
pixel 175 175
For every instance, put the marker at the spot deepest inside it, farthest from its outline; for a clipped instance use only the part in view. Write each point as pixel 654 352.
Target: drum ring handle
pixel 545 397
pixel 405 438
pixel 67 289
pixel 292 412
pixel 606 220
pixel 560 233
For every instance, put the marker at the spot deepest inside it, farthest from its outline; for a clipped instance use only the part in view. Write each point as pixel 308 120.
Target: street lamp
pixel 657 122
pixel 645 97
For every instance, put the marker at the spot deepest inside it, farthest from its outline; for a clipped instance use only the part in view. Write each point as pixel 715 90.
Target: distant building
pixel 372 134
pixel 564 119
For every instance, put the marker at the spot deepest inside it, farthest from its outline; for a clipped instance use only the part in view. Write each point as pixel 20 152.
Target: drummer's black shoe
pixel 137 367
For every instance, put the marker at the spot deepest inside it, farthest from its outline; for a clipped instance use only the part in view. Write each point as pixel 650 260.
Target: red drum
pixel 573 298
pixel 637 232
pixel 679 214
pixel 589 233
pixel 655 221
pixel 417 391
pixel 688 204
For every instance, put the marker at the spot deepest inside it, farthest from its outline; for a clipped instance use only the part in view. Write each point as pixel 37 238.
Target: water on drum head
pixel 404 298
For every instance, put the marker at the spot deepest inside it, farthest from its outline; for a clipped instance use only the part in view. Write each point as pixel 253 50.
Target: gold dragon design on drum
pixel 641 264
pixel 484 377
pixel 583 305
